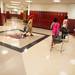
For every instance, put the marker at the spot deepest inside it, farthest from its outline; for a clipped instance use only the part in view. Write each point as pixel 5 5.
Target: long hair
pixel 66 17
pixel 55 19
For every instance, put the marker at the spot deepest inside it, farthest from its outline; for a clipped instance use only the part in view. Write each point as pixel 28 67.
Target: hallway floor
pixel 31 55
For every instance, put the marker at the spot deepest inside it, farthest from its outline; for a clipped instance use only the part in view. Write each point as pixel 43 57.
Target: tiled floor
pixel 37 59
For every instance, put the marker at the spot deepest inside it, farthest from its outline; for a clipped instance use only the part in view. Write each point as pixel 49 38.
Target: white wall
pixel 51 7
pixel 1 6
pixel 71 11
pixel 70 8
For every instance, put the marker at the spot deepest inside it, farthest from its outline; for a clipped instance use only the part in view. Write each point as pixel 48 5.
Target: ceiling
pixel 41 1
pixel 23 3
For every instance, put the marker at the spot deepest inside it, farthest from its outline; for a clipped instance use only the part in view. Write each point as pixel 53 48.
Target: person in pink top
pixel 55 30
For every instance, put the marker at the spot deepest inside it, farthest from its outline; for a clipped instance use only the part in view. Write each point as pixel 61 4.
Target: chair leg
pixel 61 50
pixel 68 37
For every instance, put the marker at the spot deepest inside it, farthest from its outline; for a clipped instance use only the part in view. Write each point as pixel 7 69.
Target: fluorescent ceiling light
pixel 56 1
pixel 29 1
pixel 11 6
pixel 15 10
pixel 15 2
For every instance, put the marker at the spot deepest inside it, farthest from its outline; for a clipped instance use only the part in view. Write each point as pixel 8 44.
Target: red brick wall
pixel 71 25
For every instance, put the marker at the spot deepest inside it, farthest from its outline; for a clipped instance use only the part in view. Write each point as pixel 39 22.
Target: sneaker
pixel 24 35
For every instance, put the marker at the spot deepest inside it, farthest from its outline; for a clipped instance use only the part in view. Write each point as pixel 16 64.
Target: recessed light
pixel 29 1
pixel 56 1
pixel 4 52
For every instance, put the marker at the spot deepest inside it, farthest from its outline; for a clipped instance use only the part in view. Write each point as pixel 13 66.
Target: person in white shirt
pixel 64 27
